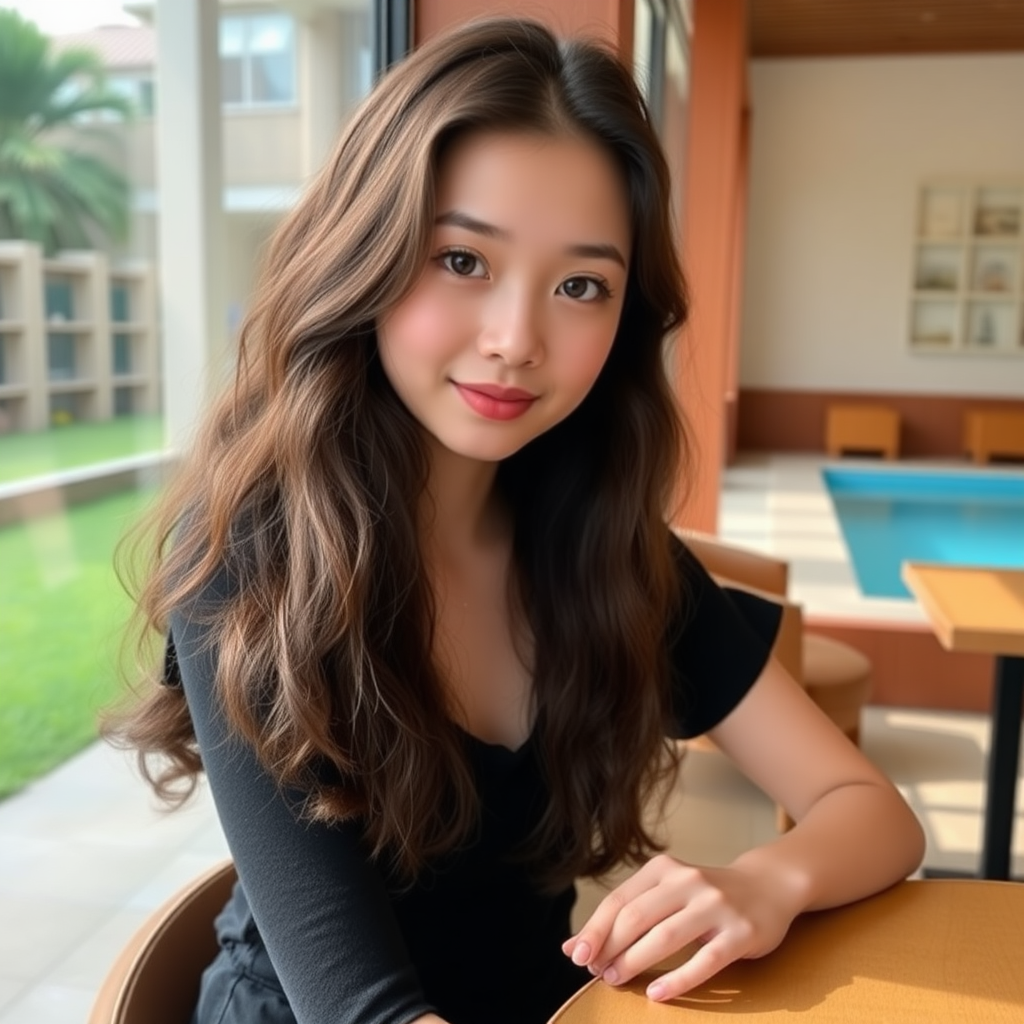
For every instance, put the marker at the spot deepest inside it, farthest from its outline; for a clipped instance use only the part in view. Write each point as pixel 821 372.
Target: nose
pixel 512 331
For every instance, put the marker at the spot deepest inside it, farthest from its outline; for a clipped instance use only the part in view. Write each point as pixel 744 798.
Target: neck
pixel 459 510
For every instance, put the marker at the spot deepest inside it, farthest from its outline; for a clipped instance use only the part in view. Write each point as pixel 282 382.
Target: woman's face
pixel 516 309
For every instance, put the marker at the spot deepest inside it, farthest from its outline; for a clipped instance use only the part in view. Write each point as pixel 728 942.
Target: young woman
pixel 428 629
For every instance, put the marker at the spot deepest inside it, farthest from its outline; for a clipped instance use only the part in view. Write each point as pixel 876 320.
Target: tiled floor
pixel 84 855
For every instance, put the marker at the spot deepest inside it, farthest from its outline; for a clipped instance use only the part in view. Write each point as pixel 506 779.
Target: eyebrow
pixel 586 250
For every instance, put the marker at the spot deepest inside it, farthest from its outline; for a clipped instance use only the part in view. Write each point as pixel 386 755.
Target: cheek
pixel 585 358
pixel 419 328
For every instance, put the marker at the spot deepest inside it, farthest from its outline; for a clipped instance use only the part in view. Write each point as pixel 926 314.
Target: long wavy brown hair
pixel 305 478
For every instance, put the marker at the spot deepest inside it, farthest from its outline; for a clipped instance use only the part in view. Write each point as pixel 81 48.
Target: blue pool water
pixel 891 517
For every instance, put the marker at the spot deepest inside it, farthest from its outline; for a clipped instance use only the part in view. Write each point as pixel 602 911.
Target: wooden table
pixel 982 610
pixel 927 952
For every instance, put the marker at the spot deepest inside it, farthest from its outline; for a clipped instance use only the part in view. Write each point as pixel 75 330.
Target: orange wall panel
pixel 610 20
pixel 712 233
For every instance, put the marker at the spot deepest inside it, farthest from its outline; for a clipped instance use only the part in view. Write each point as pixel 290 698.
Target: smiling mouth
pixel 494 402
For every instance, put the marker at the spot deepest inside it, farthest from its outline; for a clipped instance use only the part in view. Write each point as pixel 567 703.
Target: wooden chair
pixel 994 432
pixel 836 676
pixel 155 979
pixel 862 428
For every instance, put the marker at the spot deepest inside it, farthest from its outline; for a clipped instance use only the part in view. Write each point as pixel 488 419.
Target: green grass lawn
pixel 61 612
pixel 77 444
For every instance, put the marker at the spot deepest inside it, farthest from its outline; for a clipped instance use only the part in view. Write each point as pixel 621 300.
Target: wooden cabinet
pixel 967 288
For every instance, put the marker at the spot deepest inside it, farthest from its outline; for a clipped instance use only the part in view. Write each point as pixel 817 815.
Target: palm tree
pixel 51 190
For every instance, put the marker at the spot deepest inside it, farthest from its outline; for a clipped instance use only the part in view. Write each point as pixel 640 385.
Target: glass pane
pixel 61 356
pixel 122 353
pixel 270 34
pixel 232 36
pixel 272 79
pixel 271 50
pixel 120 303
pixel 60 299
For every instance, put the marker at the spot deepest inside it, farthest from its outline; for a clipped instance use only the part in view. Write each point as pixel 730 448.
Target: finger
pixel 707 914
pixel 592 936
pixel 668 936
pixel 704 964
pixel 655 917
pixel 569 948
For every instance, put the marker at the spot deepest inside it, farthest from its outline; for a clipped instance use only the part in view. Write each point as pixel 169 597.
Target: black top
pixel 348 944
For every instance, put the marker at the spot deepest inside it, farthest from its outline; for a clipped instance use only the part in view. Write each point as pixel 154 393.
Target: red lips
pixel 495 402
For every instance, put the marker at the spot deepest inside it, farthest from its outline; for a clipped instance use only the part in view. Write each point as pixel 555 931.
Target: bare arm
pixel 854 836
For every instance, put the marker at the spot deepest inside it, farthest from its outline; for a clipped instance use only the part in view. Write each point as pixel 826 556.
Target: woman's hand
pixel 733 913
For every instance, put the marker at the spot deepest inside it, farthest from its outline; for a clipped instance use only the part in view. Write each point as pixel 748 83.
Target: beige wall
pixel 839 149
pixel 262 148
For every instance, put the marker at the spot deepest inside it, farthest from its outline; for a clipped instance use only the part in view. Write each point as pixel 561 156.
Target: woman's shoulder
pixel 720 642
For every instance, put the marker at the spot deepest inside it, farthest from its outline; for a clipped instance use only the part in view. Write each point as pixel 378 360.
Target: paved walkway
pixel 84 857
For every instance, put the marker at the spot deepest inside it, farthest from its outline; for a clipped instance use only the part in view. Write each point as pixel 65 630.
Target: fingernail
pixel 567 945
pixel 656 990
pixel 594 970
pixel 581 954
pixel 611 976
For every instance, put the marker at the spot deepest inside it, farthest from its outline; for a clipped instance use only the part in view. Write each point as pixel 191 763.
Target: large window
pixel 81 382
pixel 257 59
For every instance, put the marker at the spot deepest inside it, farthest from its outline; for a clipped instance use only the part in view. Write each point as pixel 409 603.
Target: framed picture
pixel 942 213
pixel 997 220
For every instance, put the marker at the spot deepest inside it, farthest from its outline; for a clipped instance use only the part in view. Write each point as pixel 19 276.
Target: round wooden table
pixel 932 951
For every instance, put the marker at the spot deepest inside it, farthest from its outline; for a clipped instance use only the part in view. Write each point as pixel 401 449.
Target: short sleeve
pixel 719 645
pixel 321 907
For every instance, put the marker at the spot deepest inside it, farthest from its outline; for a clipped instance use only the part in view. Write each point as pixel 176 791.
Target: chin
pixel 488 450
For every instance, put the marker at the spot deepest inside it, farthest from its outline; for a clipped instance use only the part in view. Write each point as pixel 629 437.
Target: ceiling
pixel 832 28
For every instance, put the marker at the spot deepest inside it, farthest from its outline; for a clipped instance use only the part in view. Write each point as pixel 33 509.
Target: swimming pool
pixel 888 517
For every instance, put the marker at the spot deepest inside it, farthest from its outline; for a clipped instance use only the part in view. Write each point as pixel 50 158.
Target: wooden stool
pixel 838 679
pixel 863 428
pixel 993 432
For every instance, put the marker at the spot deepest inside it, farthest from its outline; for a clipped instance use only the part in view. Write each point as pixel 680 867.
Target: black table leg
pixel 1002 768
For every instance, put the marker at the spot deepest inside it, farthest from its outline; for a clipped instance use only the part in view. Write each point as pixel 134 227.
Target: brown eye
pixel 584 289
pixel 463 264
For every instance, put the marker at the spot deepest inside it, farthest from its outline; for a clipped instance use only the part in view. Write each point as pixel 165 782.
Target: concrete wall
pixel 839 148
